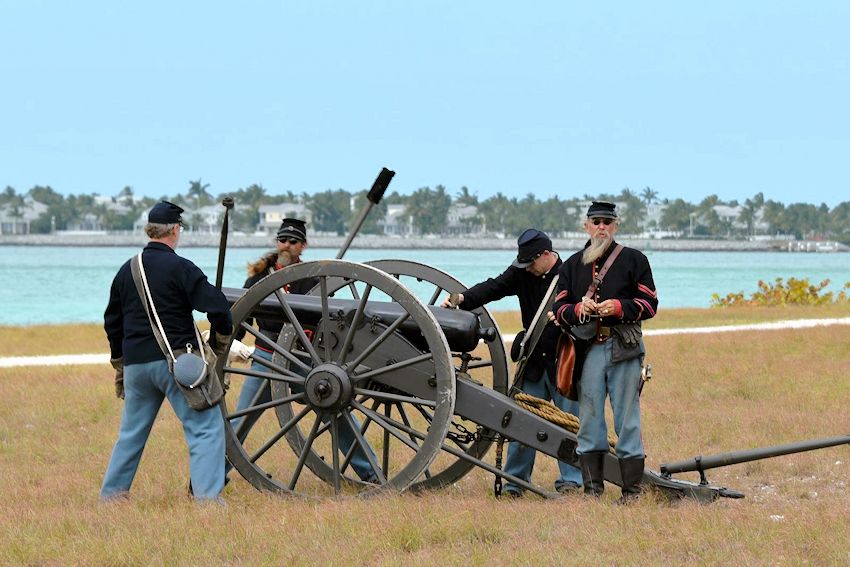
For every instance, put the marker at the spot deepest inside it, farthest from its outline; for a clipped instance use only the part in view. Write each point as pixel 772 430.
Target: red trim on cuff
pixel 618 312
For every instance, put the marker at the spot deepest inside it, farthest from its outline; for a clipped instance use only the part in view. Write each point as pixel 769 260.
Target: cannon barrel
pixel 462 329
pixel 702 463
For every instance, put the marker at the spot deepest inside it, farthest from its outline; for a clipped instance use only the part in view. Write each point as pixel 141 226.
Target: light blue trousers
pixel 520 460
pixel 600 378
pixel 145 387
pixel 252 385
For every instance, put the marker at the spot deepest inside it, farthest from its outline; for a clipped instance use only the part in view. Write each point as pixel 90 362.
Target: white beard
pixel 284 258
pixel 597 248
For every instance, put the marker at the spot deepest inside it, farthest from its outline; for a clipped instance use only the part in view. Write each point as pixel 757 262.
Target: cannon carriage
pixel 362 352
pixel 366 370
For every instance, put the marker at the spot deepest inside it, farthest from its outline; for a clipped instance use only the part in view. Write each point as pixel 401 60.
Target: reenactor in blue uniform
pixel 143 378
pixel 612 347
pixel 529 278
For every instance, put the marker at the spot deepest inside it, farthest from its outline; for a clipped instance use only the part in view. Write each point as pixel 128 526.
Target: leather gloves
pixel 118 365
pixel 629 334
pixel 219 344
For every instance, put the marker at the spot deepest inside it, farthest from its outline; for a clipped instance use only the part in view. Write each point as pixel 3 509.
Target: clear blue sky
pixel 554 98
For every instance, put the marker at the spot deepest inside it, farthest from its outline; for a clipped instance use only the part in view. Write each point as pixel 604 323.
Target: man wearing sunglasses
pixel 529 278
pixel 609 347
pixel 290 244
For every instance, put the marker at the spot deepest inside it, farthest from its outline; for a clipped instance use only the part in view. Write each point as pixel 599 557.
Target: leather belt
pixel 603 334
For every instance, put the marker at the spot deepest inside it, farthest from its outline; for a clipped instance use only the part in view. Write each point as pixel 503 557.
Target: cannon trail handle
pixel 702 463
pixel 374 197
pixel 227 203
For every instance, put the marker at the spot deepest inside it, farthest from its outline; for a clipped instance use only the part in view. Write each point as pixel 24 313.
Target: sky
pixel 552 97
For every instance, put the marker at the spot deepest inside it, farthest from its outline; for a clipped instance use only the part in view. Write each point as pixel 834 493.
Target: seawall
pixel 189 239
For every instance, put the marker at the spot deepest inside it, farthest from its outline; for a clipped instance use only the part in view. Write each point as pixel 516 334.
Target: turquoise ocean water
pixel 65 284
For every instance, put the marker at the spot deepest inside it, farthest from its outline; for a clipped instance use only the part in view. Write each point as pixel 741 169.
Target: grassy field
pixel 709 394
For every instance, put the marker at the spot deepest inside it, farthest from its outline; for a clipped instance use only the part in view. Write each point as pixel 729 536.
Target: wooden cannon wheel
pixel 330 388
pixel 432 285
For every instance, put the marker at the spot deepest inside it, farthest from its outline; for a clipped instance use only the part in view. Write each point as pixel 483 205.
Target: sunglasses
pixel 606 222
pixel 291 241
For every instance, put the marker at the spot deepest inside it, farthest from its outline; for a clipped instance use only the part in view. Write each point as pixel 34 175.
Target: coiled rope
pixel 550 412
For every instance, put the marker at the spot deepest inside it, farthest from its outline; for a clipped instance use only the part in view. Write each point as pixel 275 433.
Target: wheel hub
pixel 328 387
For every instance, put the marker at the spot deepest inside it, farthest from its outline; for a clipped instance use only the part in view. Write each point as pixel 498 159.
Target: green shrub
pixel 793 292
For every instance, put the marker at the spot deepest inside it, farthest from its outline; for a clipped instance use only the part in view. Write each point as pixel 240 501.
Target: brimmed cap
pixel 165 213
pixel 530 244
pixel 601 209
pixel 292 228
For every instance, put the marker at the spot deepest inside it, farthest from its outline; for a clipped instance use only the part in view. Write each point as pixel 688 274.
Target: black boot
pixel 593 473
pixel 632 472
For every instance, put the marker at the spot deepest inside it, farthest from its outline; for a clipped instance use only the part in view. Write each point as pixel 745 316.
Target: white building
pixel 463 220
pixel 272 215
pixel 396 222
pixel 16 219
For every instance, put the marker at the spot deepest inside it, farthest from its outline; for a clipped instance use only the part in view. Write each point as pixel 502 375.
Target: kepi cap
pixel 165 213
pixel 530 244
pixel 601 209
pixel 292 228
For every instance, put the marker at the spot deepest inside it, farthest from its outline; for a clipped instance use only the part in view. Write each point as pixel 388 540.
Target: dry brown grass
pixel 710 394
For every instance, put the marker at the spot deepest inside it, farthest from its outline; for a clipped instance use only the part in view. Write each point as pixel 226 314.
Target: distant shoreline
pixel 371 242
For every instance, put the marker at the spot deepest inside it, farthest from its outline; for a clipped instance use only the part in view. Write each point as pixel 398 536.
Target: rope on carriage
pixel 550 412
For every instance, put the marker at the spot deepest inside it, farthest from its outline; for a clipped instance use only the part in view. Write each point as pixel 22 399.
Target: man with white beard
pixel 604 320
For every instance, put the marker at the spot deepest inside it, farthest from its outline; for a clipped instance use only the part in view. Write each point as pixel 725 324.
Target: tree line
pixel 427 210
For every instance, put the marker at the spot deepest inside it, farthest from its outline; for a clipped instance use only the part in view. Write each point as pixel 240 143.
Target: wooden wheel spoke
pixel 378 395
pixel 279 434
pixel 385 462
pixel 305 451
pixel 259 408
pixel 387 424
pixel 363 444
pixel 337 473
pixel 436 295
pixel 277 348
pixel 296 324
pixel 406 420
pixel 326 331
pixel 393 367
pixel 355 324
pixel 378 341
pixel 280 374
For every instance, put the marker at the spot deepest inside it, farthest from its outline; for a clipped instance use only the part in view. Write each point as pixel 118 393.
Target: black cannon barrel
pixel 724 459
pixel 462 329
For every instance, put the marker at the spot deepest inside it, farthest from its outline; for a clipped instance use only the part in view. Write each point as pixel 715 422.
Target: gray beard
pixel 284 258
pixel 597 248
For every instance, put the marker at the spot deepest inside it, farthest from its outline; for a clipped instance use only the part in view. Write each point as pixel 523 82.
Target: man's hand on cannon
pixel 452 300
pixel 238 350
pixel 118 365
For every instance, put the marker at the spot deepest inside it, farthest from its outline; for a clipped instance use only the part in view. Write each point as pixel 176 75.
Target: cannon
pixel 364 365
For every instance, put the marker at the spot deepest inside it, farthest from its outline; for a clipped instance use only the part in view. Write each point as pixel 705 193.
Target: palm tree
pixel 125 196
pixel 464 197
pixel 198 192
pixel 649 196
